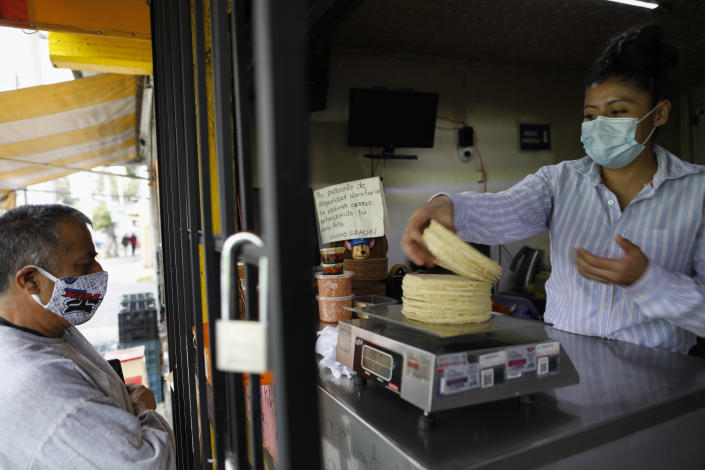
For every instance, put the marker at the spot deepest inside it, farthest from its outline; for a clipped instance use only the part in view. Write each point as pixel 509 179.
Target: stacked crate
pixel 368 275
pixel 137 325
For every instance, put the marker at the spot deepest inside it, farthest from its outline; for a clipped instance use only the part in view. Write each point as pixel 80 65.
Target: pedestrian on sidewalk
pixel 133 243
pixel 125 242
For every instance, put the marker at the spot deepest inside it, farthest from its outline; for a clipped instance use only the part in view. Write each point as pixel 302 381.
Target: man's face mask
pixel 77 298
pixel 611 142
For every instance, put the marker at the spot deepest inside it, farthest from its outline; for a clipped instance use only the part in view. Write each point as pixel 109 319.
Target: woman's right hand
pixel 439 208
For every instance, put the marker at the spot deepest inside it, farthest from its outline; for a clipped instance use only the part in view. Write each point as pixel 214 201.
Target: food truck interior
pixel 507 70
pixel 259 103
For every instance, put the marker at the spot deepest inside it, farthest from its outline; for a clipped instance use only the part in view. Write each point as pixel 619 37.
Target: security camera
pixel 464 153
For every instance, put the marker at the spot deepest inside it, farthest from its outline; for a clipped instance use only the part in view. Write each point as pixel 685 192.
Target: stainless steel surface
pixel 456 366
pixel 349 442
pixel 624 389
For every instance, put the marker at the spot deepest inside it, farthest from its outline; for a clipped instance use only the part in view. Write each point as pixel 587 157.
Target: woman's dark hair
pixel 639 57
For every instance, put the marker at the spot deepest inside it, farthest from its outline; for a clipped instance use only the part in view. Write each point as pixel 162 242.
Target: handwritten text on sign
pixel 355 209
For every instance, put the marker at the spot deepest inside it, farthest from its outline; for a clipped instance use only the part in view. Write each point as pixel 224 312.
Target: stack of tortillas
pixel 445 298
pixel 451 298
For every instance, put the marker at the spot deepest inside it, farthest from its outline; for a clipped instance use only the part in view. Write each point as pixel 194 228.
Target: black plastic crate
pixel 137 325
pixel 142 296
pixel 138 302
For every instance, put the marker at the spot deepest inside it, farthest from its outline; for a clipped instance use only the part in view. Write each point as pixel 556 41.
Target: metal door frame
pixel 277 44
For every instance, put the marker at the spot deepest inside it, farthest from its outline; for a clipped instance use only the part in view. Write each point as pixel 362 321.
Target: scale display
pixel 377 362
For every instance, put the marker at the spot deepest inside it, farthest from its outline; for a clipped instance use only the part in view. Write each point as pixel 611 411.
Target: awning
pixel 50 131
pixel 123 18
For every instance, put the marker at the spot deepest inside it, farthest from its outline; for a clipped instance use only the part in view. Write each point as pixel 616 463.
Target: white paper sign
pixel 355 209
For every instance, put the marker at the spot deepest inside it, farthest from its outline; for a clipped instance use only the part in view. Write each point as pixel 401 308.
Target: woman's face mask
pixel 76 299
pixel 611 142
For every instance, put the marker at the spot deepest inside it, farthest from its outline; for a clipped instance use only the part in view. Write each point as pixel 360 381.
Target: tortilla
pixel 456 255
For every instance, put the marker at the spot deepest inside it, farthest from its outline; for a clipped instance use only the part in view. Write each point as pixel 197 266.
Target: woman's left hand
pixel 624 270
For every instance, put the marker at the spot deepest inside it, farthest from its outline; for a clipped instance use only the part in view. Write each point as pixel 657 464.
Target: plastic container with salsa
pixel 336 268
pixel 332 255
pixel 330 309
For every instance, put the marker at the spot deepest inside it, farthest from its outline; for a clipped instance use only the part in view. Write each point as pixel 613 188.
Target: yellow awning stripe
pixel 8 199
pixel 68 151
pixel 27 168
pixel 50 131
pixel 57 123
pixel 119 159
pixel 74 137
pixel 48 174
pixel 33 102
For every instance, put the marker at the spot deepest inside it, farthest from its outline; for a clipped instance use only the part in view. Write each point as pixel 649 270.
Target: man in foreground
pixel 61 404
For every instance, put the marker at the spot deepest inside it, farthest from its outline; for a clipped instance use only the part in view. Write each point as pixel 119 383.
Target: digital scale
pixel 440 367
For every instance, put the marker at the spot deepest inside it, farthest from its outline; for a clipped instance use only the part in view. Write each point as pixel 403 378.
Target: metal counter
pixel 634 406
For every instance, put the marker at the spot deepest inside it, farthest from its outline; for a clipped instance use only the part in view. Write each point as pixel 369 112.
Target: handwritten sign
pixel 355 209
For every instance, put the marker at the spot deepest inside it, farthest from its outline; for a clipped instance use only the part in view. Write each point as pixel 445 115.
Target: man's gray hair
pixel 29 235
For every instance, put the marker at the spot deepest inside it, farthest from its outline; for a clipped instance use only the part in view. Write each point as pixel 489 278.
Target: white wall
pixel 492 100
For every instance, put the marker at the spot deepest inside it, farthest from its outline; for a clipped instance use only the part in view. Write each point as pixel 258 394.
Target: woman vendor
pixel 625 222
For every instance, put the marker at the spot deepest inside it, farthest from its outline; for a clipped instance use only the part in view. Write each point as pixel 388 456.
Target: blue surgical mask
pixel 611 142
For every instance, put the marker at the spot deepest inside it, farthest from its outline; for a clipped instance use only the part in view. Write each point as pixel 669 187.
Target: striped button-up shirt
pixel 665 308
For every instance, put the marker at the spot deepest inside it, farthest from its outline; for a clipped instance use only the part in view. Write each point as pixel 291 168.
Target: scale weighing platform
pixel 440 367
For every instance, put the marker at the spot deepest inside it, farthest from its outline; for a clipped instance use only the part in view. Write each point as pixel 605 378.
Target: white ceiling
pixel 555 34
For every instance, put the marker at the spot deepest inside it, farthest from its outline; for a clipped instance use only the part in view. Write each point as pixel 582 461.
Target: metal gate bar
pixel 184 294
pixel 241 55
pixel 282 125
pixel 210 260
pixel 190 173
pixel 234 392
pixel 174 301
pixel 179 214
pixel 282 138
pixel 161 85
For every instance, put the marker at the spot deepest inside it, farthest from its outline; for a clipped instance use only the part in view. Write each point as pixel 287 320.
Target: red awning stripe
pixel 14 10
